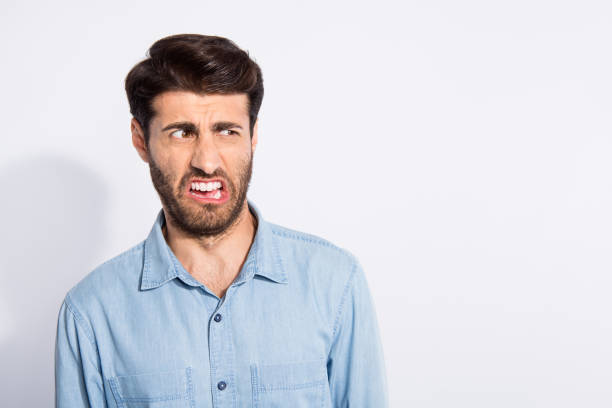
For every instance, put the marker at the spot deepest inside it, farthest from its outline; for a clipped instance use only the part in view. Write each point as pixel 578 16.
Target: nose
pixel 206 155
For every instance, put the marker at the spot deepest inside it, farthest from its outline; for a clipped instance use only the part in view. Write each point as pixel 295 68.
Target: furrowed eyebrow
pixel 217 126
pixel 186 126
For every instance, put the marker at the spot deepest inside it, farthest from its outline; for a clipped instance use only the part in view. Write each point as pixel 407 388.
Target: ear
pixel 254 138
pixel 138 140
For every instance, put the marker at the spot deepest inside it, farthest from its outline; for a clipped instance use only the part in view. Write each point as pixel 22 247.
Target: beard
pixel 197 219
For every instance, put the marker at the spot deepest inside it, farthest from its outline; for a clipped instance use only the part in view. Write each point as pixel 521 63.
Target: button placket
pixel 221 355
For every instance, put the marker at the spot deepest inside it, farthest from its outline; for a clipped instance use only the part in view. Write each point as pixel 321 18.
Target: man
pixel 217 307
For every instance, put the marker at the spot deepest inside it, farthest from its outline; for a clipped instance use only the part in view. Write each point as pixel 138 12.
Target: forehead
pixel 189 106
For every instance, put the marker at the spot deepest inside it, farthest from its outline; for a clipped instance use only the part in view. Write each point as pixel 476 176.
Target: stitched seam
pixel 145 266
pixel 272 388
pixel 161 281
pixel 119 257
pixel 190 395
pixel 347 287
pixel 80 320
pixel 116 393
pixel 254 385
pixel 233 380
pixel 228 322
pixel 322 393
pixel 187 395
pixel 155 399
pixel 88 333
pixel 309 239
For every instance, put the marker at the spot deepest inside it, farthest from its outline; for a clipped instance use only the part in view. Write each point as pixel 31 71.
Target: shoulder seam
pixel 79 319
pixel 308 238
pixel 122 255
pixel 345 292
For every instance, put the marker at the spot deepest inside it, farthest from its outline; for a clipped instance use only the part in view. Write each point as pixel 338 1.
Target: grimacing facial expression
pixel 204 137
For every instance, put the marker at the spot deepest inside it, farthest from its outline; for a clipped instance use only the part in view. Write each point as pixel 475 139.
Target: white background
pixel 461 150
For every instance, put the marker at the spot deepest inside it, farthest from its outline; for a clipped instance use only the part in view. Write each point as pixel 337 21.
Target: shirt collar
pixel 161 265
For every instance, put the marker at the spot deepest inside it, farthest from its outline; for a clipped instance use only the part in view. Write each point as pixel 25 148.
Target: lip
pixel 224 191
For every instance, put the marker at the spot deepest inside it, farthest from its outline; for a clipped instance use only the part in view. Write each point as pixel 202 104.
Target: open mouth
pixel 214 191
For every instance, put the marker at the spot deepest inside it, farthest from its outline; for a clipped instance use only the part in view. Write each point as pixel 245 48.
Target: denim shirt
pixel 297 328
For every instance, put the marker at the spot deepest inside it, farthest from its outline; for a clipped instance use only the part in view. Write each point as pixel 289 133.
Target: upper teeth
pixel 206 186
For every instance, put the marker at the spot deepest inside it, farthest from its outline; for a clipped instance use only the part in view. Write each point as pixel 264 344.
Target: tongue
pixel 205 193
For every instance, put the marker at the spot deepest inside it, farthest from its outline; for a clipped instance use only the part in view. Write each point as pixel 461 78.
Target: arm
pixel 78 381
pixel 356 367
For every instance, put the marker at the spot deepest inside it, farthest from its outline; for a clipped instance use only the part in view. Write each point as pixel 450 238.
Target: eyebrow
pixel 223 125
pixel 191 127
pixel 181 125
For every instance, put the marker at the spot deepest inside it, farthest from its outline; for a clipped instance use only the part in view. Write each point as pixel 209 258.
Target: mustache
pixel 204 175
pixel 186 181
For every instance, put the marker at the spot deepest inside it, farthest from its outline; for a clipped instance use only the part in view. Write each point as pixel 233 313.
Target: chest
pixel 259 347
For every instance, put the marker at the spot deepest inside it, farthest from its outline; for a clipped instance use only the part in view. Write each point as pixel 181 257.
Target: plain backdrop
pixel 461 150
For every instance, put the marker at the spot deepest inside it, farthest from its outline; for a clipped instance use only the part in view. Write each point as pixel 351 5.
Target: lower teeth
pixel 216 194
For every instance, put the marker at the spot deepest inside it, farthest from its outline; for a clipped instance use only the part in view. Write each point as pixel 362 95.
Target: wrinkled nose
pixel 206 155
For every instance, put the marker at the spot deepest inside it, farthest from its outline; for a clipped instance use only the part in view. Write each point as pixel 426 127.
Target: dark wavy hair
pixel 201 64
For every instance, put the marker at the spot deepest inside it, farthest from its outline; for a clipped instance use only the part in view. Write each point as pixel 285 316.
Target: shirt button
pixel 218 317
pixel 221 385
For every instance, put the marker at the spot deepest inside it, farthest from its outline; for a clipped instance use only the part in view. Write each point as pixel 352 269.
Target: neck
pixel 220 257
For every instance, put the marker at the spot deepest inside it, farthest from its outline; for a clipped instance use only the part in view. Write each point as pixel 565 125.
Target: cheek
pixel 171 169
pixel 241 162
pixel 172 162
pixel 235 158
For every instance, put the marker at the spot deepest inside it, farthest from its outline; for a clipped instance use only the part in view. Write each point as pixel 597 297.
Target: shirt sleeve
pixel 78 380
pixel 356 367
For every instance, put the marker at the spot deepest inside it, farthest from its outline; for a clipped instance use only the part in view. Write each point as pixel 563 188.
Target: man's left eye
pixel 229 132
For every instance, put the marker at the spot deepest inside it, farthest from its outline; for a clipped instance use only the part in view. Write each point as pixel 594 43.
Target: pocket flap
pixel 153 387
pixel 289 376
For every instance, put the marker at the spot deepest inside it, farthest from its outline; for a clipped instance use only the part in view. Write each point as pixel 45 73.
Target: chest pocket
pixel 294 385
pixel 168 389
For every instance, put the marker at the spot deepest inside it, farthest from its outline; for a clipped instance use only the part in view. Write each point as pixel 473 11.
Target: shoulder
pixel 311 248
pixel 107 280
pixel 324 266
pixel 303 237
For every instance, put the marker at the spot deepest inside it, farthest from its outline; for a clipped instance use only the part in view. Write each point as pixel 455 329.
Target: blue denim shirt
pixel 297 328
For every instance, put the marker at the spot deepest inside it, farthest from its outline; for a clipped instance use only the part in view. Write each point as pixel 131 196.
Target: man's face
pixel 200 138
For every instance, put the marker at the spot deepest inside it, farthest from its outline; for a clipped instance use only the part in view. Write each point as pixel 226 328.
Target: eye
pixel 179 133
pixel 230 132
